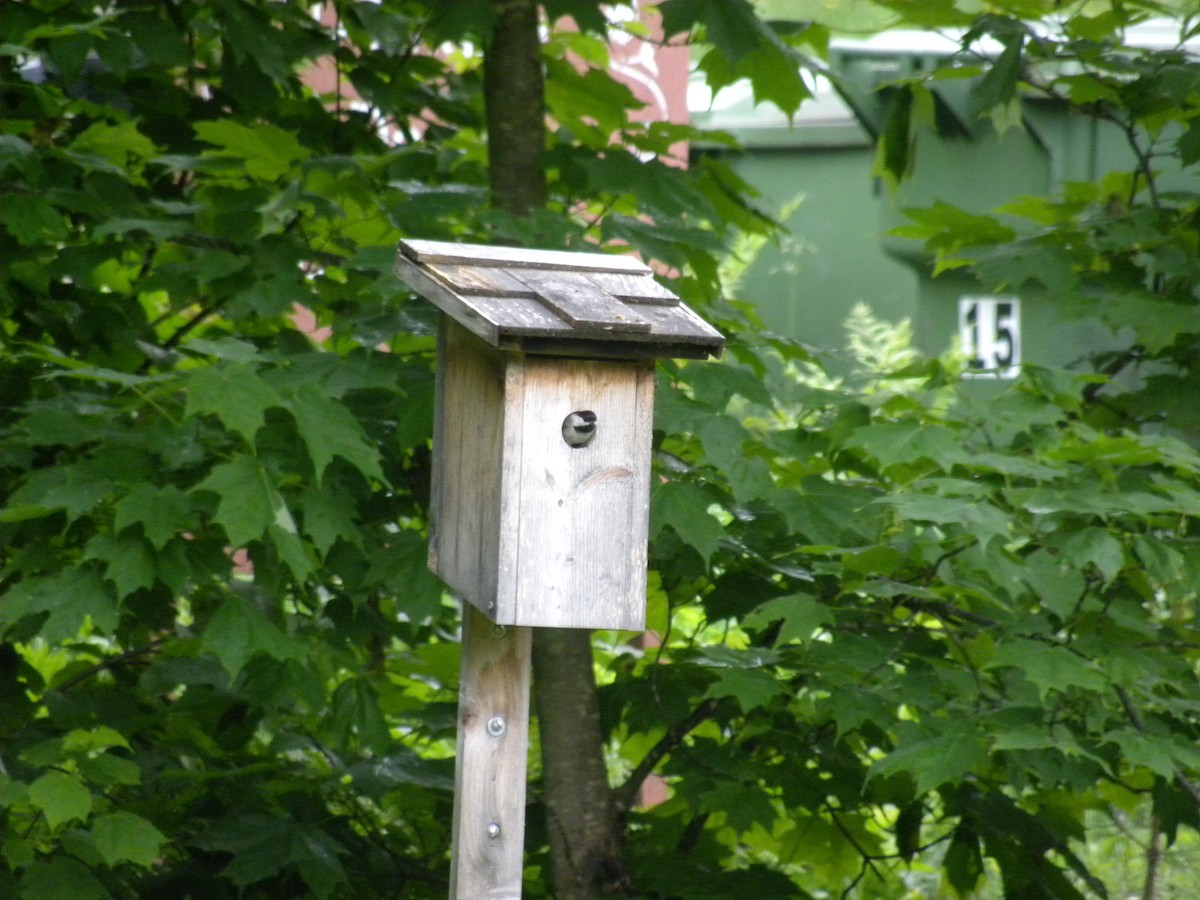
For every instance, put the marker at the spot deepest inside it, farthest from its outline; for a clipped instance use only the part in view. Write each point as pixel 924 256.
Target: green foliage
pixel 226 669
pixel 909 635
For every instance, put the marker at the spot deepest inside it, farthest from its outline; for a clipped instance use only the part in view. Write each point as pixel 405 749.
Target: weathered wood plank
pixel 519 315
pixel 641 289
pixel 681 324
pixel 483 255
pixel 541 345
pixel 575 546
pixel 588 307
pixel 487 848
pixel 488 280
pixel 444 299
pixel 467 441
pixel 675 332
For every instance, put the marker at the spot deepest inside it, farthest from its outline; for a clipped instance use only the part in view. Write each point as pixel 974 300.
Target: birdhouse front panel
pixel 575 506
pixel 541 482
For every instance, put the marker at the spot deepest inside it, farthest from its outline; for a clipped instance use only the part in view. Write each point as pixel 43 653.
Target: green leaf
pixel 751 687
pixel 1160 754
pixel 62 797
pixel 329 516
pixel 17 851
pixel 60 878
pixel 292 550
pixel 908 829
pixel 826 513
pixel 964 861
pixel 264 845
pixel 773 71
pixel 724 440
pixel 72 598
pixel 594 93
pixel 942 758
pixel 715 385
pixel 30 219
pixel 400 569
pixel 1096 547
pixel 106 770
pixel 121 144
pixel 1058 585
pixel 999 84
pixel 259 844
pixel 730 25
pixel 161 511
pixel 908 442
pixel 357 717
pixel 1188 145
pixel 76 489
pixel 982 519
pixel 128 561
pixel 101 737
pixel 1162 562
pixel 896 145
pixel 1049 668
pixel 947 229
pixel 330 430
pixel 801 615
pixel 743 806
pixel 377 777
pixel 249 503
pixel 233 392
pixel 684 507
pixel 238 630
pixel 267 151
pixel 126 837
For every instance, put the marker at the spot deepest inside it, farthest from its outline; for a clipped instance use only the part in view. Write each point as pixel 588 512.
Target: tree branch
pixel 111 662
pixel 1139 724
pixel 626 794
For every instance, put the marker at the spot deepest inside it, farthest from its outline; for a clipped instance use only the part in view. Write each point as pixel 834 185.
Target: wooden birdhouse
pixel 542 434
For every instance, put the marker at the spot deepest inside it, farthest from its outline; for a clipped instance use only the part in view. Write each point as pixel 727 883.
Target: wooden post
pixel 493 743
pixel 541 486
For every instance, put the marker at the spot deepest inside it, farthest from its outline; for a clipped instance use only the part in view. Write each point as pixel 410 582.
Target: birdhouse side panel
pixel 467 449
pixel 573 535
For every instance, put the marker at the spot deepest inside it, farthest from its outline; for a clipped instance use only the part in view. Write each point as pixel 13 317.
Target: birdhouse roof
pixel 556 302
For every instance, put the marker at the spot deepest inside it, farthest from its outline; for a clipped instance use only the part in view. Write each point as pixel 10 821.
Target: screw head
pixel 493 830
pixel 496 726
pixel 579 427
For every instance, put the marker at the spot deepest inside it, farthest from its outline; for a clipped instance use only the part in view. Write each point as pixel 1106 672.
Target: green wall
pixel 836 256
pixel 840 253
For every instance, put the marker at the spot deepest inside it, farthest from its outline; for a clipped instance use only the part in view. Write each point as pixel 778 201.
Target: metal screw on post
pixel 496 726
pixel 493 830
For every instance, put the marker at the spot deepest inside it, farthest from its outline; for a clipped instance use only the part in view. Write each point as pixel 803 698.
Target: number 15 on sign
pixel 989 329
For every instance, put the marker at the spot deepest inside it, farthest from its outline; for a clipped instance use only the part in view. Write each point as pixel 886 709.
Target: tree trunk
pixel 585 837
pixel 515 106
pixel 1153 860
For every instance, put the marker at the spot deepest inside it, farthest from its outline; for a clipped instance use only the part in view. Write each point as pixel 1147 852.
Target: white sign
pixel 989 329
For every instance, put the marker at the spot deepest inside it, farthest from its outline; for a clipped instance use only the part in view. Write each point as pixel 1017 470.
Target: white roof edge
pixel 1153 34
